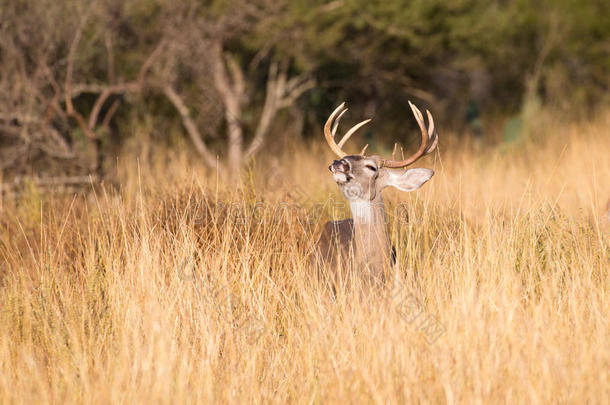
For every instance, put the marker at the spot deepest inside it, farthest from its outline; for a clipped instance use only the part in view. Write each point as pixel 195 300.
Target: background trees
pixel 77 75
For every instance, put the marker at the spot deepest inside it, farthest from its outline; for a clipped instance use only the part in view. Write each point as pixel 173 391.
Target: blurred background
pixel 85 82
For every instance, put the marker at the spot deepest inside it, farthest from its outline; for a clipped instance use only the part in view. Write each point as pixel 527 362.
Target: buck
pixel 363 240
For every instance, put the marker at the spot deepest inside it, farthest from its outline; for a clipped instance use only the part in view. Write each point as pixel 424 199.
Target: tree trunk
pixel 236 141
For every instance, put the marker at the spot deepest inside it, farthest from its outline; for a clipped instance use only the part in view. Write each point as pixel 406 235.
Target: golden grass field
pixel 183 288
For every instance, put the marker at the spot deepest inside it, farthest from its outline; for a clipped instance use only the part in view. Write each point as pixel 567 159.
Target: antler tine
pixel 351 132
pixel 432 135
pixel 328 133
pixel 428 142
pixel 330 129
pixel 336 123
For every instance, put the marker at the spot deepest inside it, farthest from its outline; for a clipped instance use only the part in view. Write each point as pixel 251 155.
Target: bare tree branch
pixel 110 113
pixel 134 86
pixel 104 90
pixel 69 72
pixel 232 93
pixel 150 60
pixel 107 92
pixel 190 126
pixel 281 93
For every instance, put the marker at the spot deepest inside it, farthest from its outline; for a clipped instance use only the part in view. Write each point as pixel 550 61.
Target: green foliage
pixel 450 52
pixel 447 55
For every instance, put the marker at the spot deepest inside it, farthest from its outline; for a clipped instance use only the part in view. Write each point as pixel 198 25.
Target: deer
pixel 363 241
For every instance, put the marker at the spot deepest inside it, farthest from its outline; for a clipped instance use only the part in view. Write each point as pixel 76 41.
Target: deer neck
pixel 372 242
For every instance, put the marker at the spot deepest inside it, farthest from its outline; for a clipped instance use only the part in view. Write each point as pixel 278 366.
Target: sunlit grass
pixel 181 287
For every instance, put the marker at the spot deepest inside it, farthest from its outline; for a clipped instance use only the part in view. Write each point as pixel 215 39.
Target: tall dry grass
pixel 182 288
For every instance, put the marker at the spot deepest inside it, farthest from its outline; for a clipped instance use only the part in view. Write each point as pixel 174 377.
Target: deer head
pixel 362 177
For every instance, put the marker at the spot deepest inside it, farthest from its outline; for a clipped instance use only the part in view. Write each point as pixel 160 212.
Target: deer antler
pixel 330 129
pixel 428 144
pixel 429 140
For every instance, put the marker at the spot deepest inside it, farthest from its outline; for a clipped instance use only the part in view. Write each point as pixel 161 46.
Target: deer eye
pixel 373 168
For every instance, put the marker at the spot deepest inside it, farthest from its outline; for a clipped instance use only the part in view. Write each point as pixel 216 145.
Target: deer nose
pixel 339 165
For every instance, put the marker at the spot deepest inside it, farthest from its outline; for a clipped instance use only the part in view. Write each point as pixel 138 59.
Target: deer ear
pixel 407 180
